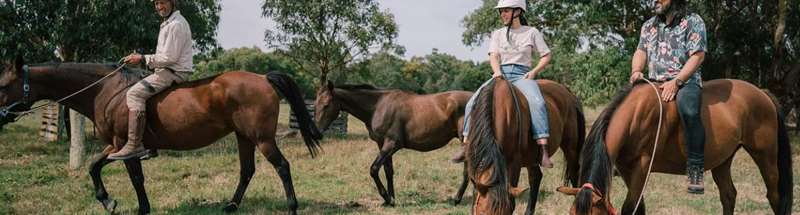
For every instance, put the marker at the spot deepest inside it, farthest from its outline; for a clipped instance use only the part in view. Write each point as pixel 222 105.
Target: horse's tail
pixel 289 90
pixel 571 175
pixel 785 183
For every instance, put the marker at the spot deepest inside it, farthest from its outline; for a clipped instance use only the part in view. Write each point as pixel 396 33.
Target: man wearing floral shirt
pixel 673 45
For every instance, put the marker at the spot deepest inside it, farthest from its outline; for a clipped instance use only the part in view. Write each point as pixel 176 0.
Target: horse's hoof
pixel 110 205
pixel 231 207
pixel 389 203
pixel 454 201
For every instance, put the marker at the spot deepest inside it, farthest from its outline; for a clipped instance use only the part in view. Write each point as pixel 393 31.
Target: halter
pixel 26 94
pixel 611 209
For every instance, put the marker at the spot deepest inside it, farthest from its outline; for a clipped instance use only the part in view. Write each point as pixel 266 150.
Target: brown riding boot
pixel 546 163
pixel 695 174
pixel 134 147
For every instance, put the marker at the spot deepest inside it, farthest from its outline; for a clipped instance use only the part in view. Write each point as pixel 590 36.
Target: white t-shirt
pixel 524 40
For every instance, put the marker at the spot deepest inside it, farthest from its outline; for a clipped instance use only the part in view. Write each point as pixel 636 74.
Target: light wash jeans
pixel 516 75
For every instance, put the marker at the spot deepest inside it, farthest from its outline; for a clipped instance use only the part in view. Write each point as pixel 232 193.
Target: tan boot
pixel 546 163
pixel 134 147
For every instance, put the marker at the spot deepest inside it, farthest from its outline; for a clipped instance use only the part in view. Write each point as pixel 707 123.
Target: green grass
pixel 34 180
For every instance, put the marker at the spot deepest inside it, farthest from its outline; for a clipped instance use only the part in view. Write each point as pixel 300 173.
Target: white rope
pixel 655 145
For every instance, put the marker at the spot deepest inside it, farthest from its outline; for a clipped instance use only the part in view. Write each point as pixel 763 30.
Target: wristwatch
pixel 680 82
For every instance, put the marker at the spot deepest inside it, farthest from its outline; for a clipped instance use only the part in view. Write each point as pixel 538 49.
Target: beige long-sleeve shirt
pixel 174 50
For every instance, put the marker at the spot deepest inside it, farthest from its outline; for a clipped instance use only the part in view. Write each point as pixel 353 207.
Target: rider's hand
pixel 636 76
pixel 668 90
pixel 133 58
pixel 530 75
pixel 495 75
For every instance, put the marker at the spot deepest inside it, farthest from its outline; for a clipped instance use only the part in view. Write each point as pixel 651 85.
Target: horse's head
pixel 325 109
pixel 588 200
pixel 12 93
pixel 492 197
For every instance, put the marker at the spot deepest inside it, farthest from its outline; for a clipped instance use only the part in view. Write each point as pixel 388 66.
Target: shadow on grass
pixel 260 205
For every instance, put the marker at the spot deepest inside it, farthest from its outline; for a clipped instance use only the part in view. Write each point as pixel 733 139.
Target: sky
pixel 423 26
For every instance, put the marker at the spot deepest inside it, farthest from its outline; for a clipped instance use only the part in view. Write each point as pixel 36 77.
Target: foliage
pixel 328 35
pixel 251 60
pixel 589 37
pixel 94 30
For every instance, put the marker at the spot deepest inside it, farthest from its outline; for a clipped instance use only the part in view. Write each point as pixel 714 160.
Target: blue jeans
pixel 536 104
pixel 689 99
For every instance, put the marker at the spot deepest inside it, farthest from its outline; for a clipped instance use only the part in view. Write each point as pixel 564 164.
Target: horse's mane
pixel 595 165
pixel 484 150
pixel 357 87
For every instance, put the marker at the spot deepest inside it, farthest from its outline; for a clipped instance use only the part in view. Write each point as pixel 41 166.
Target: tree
pixel 251 60
pixel 95 30
pixel 326 36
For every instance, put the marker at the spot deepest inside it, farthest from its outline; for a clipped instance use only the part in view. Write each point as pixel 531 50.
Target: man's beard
pixel 663 9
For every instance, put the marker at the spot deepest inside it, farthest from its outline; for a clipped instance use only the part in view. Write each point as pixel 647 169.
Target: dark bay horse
pixel 189 116
pixel 395 120
pixel 502 143
pixel 735 114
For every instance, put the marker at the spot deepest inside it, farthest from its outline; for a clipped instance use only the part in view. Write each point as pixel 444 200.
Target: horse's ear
pixel 329 85
pixel 568 190
pixel 516 191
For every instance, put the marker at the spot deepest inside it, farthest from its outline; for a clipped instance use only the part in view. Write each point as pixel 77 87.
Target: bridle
pixel 26 94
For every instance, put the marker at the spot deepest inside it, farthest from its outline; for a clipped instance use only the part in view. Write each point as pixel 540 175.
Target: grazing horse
pixel 501 143
pixel 396 119
pixel 189 116
pixel 735 114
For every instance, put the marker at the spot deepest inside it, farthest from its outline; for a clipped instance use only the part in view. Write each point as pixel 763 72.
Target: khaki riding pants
pixel 151 85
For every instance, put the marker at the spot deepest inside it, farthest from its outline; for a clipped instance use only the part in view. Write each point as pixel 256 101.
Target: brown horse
pixel 395 120
pixel 501 143
pixel 189 116
pixel 735 114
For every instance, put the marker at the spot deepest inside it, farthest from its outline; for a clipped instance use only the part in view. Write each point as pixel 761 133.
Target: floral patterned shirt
pixel 669 47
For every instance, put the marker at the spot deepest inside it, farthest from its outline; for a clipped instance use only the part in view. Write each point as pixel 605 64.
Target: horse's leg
pixel 134 167
pixel 270 150
pixel 534 179
pixel 95 169
pixel 247 167
pixel 374 171
pixel 727 192
pixel 464 182
pixel 388 169
pixel 634 180
pixel 767 163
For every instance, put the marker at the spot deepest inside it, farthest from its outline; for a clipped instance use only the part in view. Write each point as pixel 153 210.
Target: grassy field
pixel 34 180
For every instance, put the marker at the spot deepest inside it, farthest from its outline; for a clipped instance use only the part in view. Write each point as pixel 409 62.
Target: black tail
pixel 289 90
pixel 570 175
pixel 785 183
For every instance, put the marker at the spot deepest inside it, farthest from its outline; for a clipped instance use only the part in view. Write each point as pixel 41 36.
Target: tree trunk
pixel 778 41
